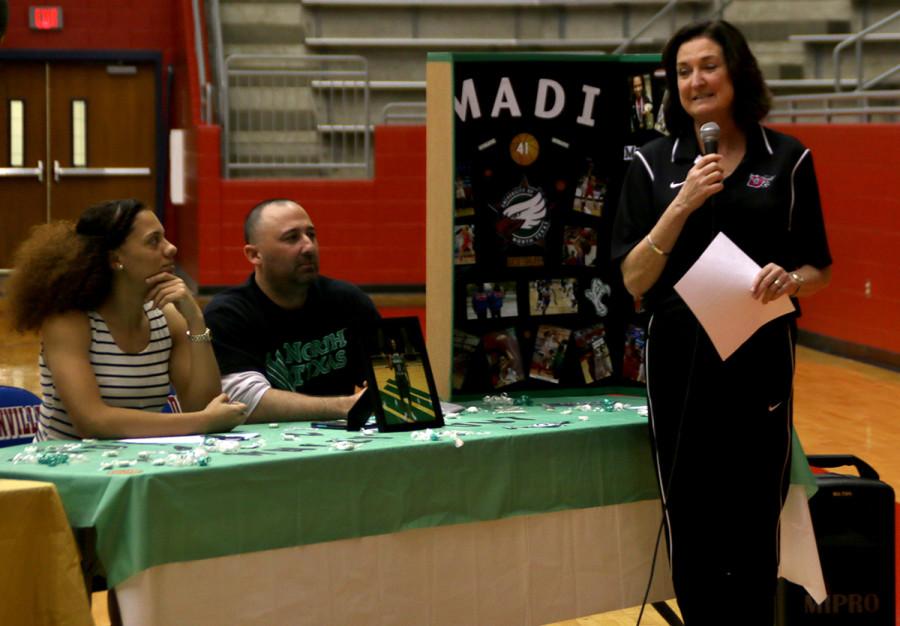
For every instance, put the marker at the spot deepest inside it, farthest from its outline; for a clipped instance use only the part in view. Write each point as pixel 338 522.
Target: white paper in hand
pixel 717 289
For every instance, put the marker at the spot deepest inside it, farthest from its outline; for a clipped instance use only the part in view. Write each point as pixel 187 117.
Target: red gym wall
pixel 373 231
pixel 93 25
pixel 857 169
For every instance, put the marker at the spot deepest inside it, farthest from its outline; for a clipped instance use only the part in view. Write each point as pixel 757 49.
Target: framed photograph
pixel 400 374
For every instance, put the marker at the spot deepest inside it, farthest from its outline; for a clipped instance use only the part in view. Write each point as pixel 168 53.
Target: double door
pixel 72 134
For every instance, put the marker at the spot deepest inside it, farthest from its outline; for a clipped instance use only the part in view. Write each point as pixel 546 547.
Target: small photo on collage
pixel 463 197
pixel 491 300
pixel 554 296
pixel 593 353
pixel 590 192
pixel 641 103
pixel 579 246
pixel 464 344
pixel 633 360
pixel 504 358
pixel 550 345
pixel 464 244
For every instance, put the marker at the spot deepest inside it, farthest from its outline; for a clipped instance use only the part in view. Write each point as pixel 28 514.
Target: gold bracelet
pixel 655 248
pixel 797 278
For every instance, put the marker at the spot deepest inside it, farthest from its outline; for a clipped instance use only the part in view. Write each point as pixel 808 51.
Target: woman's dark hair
pixel 751 96
pixel 4 17
pixel 63 267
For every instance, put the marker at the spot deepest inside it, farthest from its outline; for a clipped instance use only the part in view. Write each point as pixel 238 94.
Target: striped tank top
pixel 128 380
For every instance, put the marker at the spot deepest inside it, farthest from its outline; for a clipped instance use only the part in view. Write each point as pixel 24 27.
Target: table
pixel 544 513
pixel 40 572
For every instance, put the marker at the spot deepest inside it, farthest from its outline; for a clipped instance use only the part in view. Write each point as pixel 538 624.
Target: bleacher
pixel 794 42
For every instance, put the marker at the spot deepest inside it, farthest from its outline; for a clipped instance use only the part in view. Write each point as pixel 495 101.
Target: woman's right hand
pixel 703 180
pixel 223 415
pixel 167 288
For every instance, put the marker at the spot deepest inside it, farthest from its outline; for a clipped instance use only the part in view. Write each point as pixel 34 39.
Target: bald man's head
pixel 283 247
pixel 251 222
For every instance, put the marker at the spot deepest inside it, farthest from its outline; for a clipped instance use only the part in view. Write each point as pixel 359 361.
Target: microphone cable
pixel 665 501
pixel 668 487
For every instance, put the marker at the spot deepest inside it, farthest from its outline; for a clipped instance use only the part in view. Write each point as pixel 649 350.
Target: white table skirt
pixel 518 571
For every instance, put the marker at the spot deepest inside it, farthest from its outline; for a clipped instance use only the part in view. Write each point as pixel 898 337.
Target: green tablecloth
pixel 307 491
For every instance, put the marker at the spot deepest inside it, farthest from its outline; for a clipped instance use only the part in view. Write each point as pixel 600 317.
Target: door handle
pixel 60 171
pixel 9 172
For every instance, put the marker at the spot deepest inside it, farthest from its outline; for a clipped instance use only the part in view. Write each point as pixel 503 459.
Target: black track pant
pixel 721 439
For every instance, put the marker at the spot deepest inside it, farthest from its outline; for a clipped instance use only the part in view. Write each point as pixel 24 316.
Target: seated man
pixel 288 340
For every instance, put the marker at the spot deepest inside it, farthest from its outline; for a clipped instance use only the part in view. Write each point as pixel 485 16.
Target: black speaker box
pixel 853 518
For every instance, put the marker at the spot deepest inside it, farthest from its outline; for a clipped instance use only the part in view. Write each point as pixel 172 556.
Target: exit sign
pixel 45 18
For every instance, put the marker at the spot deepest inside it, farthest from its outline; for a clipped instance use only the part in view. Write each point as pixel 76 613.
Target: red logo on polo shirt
pixel 758 181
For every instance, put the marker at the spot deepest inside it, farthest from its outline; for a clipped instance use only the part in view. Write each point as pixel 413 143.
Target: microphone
pixel 709 135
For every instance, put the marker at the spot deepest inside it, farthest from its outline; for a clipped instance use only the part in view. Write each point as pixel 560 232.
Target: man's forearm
pixel 287 406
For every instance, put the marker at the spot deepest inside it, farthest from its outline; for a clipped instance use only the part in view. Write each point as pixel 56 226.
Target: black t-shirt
pixel 769 207
pixel 315 350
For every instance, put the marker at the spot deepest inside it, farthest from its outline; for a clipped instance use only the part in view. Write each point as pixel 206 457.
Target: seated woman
pixel 117 327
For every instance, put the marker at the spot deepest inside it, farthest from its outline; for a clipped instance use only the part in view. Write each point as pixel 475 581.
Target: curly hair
pixel 64 266
pixel 752 100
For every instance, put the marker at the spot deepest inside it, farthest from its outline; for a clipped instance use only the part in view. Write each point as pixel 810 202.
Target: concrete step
pixel 253 118
pixel 271 97
pixel 743 11
pixel 281 138
pixel 274 146
pixel 272 22
pixel 765 31
pixel 286 49
pixel 261 12
pixel 535 21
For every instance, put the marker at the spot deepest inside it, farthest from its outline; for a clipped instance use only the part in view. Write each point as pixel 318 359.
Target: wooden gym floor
pixel 841 406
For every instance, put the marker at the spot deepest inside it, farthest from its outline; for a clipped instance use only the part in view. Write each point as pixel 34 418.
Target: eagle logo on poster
pixel 523 215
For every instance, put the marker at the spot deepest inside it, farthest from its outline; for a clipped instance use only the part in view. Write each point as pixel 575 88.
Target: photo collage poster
pixel 541 147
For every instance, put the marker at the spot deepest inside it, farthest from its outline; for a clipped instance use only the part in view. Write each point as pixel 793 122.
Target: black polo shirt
pixel 769 207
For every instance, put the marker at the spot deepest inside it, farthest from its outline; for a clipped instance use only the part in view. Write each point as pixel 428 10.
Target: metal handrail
pixel 717 13
pixel 208 102
pixel 201 57
pixel 403 111
pixel 858 39
pixel 865 110
pixel 221 79
pixel 355 78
